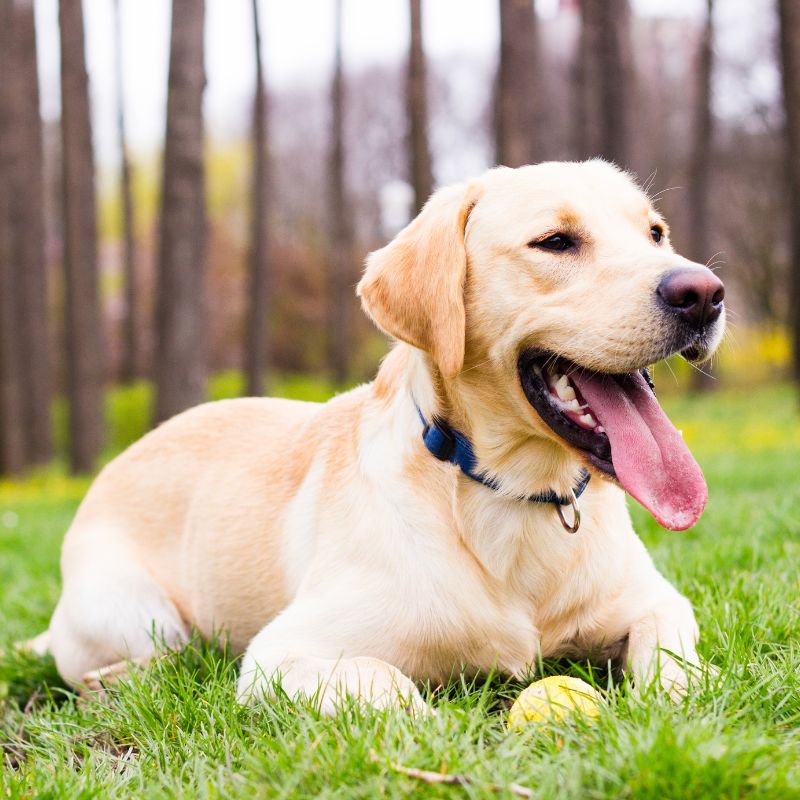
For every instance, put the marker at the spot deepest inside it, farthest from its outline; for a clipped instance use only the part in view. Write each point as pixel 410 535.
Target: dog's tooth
pixel 600 429
pixel 588 420
pixel 564 389
pixel 572 405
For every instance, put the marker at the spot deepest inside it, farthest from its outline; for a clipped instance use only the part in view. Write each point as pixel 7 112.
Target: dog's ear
pixel 413 289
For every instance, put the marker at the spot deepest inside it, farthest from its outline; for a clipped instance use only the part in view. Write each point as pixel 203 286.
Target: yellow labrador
pixel 421 524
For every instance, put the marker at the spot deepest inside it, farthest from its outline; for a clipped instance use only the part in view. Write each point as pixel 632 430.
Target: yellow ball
pixel 552 700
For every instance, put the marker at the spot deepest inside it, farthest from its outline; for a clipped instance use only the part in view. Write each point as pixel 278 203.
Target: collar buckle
pixel 576 513
pixel 439 440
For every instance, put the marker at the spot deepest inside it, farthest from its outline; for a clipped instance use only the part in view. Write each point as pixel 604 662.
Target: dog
pixel 465 512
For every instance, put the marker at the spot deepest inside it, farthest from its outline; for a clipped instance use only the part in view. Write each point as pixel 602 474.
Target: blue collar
pixel 447 444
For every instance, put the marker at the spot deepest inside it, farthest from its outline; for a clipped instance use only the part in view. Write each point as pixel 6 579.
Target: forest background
pixel 187 192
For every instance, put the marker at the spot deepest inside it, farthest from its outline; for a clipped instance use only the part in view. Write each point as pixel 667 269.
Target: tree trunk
pixel 180 315
pixel 340 295
pixel 417 105
pixel 257 346
pixel 517 98
pixel 129 368
pixel 13 454
pixel 605 80
pixel 700 171
pixel 790 68
pixel 25 176
pixel 82 305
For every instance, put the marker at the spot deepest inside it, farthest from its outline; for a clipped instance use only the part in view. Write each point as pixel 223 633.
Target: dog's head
pixel 558 282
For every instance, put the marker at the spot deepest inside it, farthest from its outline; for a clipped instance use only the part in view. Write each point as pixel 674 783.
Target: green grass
pixel 175 730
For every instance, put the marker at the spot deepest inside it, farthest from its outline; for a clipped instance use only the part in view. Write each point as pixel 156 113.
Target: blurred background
pixel 188 189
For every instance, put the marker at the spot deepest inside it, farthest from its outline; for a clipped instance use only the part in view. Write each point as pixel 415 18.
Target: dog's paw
pixel 38 646
pixel 94 684
pixel 674 675
pixel 331 684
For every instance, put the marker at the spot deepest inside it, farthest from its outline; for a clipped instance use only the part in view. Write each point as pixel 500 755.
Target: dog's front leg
pixel 662 643
pixel 317 670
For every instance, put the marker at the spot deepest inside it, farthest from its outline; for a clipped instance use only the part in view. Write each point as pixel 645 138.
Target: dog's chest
pixel 473 622
pixel 530 595
pixel 467 632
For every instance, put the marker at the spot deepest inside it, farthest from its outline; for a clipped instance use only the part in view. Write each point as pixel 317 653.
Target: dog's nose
pixel 696 295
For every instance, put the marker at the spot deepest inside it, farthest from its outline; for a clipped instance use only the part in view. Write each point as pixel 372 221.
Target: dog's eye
pixel 557 243
pixel 657 233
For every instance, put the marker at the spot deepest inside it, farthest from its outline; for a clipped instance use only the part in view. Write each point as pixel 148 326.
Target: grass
pixel 175 730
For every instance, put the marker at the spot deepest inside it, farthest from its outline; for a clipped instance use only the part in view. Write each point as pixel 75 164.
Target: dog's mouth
pixel 618 427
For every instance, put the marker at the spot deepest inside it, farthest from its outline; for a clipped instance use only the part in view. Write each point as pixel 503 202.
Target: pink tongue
pixel 651 460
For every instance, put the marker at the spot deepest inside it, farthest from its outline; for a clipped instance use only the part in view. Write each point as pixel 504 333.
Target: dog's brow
pixel 568 217
pixel 654 218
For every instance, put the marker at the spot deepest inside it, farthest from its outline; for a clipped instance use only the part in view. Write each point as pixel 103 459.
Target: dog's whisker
pixel 672 371
pixel 648 184
pixel 478 365
pixel 716 255
pixel 658 195
pixel 730 337
pixel 702 371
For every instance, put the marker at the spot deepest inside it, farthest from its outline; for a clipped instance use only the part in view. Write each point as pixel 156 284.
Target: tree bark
pixel 340 296
pixel 605 80
pixel 25 176
pixel 789 12
pixel 82 305
pixel 13 456
pixel 180 315
pixel 417 106
pixel 28 225
pixel 257 353
pixel 129 368
pixel 517 134
pixel 700 167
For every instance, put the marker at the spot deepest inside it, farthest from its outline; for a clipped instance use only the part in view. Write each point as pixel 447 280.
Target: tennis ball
pixel 552 700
